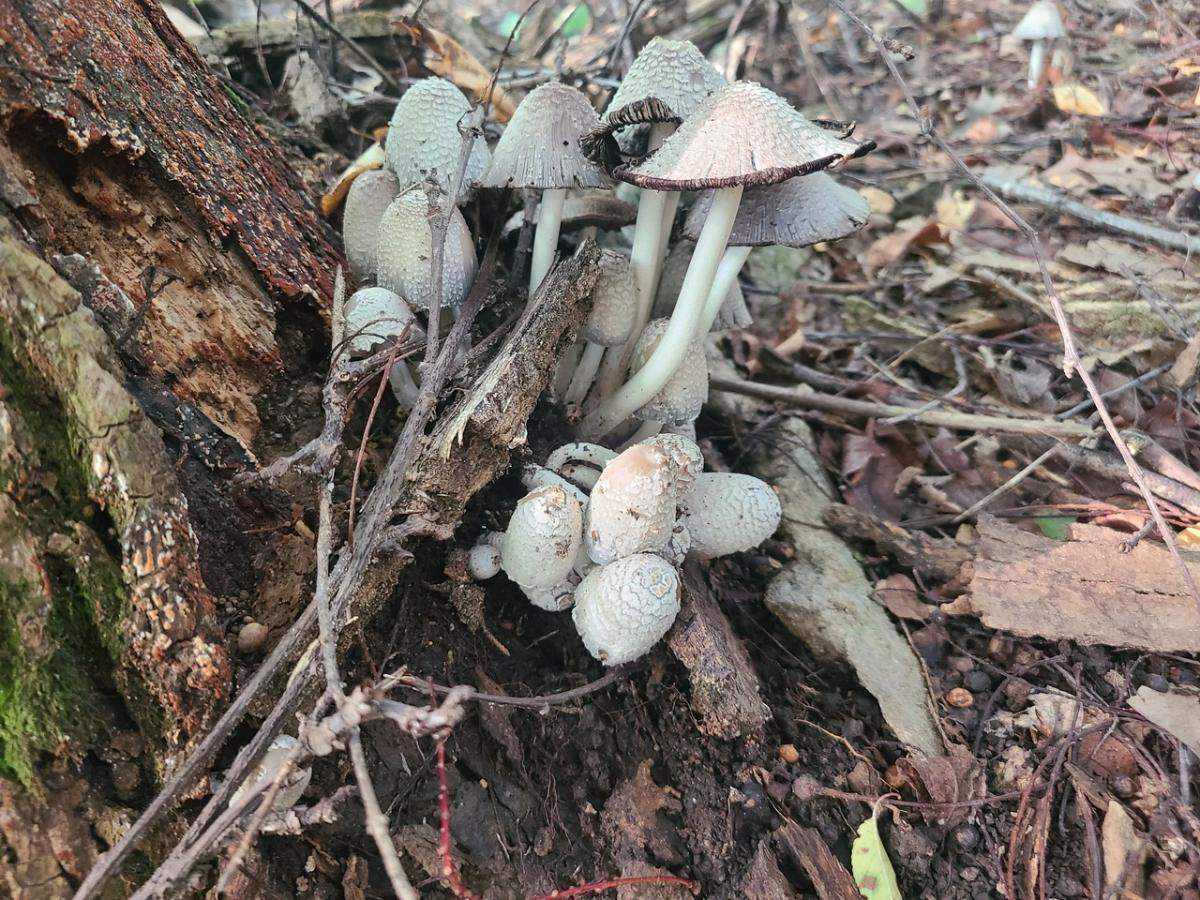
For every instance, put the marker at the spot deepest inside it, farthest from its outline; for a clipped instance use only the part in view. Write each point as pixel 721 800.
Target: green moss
pixel 55 692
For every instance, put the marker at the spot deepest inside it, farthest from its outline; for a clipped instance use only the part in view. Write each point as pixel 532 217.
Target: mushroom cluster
pixel 605 533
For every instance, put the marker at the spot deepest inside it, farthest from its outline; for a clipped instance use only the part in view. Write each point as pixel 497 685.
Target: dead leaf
pixel 953 210
pixel 1123 850
pixel 887 250
pixel 899 595
pixel 447 57
pixel 944 780
pixel 1049 714
pixel 1176 712
pixel 371 159
pixel 1075 98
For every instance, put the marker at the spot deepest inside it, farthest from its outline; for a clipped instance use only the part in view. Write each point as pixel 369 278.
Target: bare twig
pixel 1072 363
pixel 1085 405
pixel 1007 486
pixel 538 703
pixel 377 823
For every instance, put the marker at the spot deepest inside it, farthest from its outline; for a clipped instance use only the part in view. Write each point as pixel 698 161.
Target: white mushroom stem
pixel 404 386
pixel 589 362
pixel 646 430
pixel 1037 60
pixel 564 374
pixel 728 269
pixel 545 238
pixel 681 331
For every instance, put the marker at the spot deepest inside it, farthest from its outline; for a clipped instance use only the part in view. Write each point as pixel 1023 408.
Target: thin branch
pixel 1072 364
pixel 1007 486
pixel 539 703
pixel 349 42
pixel 377 823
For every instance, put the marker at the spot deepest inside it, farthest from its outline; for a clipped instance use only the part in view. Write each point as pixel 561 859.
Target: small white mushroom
pixel 369 196
pixel 1041 25
pixel 556 598
pixel 264 773
pixel 610 323
pixel 727 512
pixel 624 608
pixel 404 254
pixel 376 315
pixel 539 546
pixel 684 455
pixel 632 506
pixel 424 139
pixel 483 562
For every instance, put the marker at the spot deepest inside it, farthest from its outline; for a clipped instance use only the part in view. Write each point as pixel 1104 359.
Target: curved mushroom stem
pixel 1037 60
pixel 664 240
pixel 584 372
pixel 565 371
pixel 404 386
pixel 646 430
pixel 728 268
pixel 681 330
pixel 545 238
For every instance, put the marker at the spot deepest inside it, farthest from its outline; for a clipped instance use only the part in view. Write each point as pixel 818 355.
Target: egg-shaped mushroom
pixel 632 506
pixel 727 512
pixel 539 546
pixel 624 608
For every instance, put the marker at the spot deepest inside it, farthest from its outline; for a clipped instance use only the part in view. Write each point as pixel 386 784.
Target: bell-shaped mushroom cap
pixel 684 455
pixel 727 512
pixel 556 598
pixel 542 538
pixel 624 608
pixel 682 397
pixel 404 255
pixel 1042 22
pixel 264 773
pixel 369 196
pixel 742 134
pixel 614 302
pixel 798 212
pixel 632 506
pixel 540 146
pixel 374 316
pixel 733 312
pixel 423 136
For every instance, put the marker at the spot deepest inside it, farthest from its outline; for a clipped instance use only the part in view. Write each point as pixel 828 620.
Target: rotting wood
pixel 939 558
pixel 1083 589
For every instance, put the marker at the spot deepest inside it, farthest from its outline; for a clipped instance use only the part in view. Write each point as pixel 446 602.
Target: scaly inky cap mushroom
pixel 726 512
pixel 542 538
pixel 798 212
pixel 733 312
pixel 743 135
pixel 540 149
pixel 404 255
pixel 632 506
pixel 369 196
pixel 423 136
pixel 624 608
pixel 686 391
pixel 1042 23
pixel 375 316
pixel 610 323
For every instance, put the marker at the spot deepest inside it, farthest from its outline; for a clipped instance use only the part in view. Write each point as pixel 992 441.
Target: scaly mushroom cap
pixel 423 136
pixel 733 312
pixel 742 134
pixel 624 608
pixel 540 146
pixel 370 195
pixel 684 454
pixel 632 506
pixel 1042 22
pixel 614 302
pixel 557 597
pixel 727 512
pixel 798 212
pixel 293 789
pixel 483 562
pixel 542 538
pixel 376 315
pixel 674 72
pixel 686 392
pixel 404 256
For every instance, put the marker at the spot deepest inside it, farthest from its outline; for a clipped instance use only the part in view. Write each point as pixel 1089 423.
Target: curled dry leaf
pixel 447 57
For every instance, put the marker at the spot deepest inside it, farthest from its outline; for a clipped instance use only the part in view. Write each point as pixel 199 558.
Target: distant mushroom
pixel 733 312
pixel 1042 24
pixel 632 506
pixel 798 212
pixel 424 140
pixel 375 316
pixel 726 512
pixel 369 196
pixel 483 561
pixel 404 261
pixel 685 392
pixel 539 546
pixel 264 773
pixel 741 135
pixel 540 149
pixel 610 323
pixel 624 608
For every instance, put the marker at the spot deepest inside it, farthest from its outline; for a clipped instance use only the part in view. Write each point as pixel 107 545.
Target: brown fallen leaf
pixel 371 159
pixel 1123 850
pixel 1075 98
pixel 899 594
pixel 887 250
pixel 447 57
pixel 1176 712
pixel 945 780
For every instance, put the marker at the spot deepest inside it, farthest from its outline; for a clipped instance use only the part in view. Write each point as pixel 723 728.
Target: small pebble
pixel 959 697
pixel 1158 683
pixel 788 753
pixel 978 681
pixel 252 638
pixel 1123 786
pixel 967 837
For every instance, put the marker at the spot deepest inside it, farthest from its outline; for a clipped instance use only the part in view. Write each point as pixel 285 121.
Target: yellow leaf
pixel 371 158
pixel 1075 98
pixel 1185 67
pixel 873 873
pixel 447 57
pixel 1189 538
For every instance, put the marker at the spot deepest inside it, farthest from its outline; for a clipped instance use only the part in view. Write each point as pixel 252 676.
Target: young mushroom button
pixel 610 323
pixel 264 773
pixel 540 149
pixel 624 608
pixel 632 506
pixel 539 546
pixel 405 252
pixel 686 391
pixel 424 140
pixel 726 512
pixel 369 196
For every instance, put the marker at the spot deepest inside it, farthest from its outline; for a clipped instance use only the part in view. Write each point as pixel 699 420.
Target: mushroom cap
pixel 289 794
pixel 404 255
pixel 540 145
pixel 542 538
pixel 798 212
pixel 727 512
pixel 370 194
pixel 678 546
pixel 1041 22
pixel 374 316
pixel 684 455
pixel 733 312
pixel 483 562
pixel 624 608
pixel 423 136
pixel 686 391
pixel 632 506
pixel 556 598
pixel 742 134
pixel 614 302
